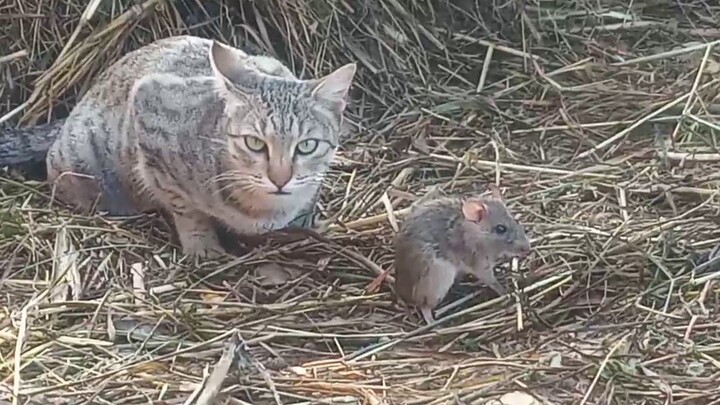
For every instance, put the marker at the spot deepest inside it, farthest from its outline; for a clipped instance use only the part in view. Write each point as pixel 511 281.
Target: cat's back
pixel 91 141
pixel 184 56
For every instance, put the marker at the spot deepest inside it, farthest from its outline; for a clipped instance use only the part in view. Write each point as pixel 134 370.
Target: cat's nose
pixel 280 176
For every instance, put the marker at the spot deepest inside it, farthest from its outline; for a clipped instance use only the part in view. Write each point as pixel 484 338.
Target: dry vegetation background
pixel 598 119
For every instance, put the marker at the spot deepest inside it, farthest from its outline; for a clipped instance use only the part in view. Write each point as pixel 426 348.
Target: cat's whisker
pixel 310 182
pixel 249 189
pixel 333 176
pixel 328 181
pixel 240 184
pixel 228 186
pixel 227 175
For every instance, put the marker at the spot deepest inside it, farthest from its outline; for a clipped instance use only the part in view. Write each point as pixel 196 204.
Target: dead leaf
pixel 213 298
pixel 371 397
pixel 271 274
pixel 65 272
pixel 695 369
pixel 553 359
pixel 138 279
pixel 135 331
pixel 149 367
pixel 712 66
pixel 301 371
pixel 420 143
pixel 111 327
pixel 377 282
pixel 214 382
pixel 396 35
pixel 518 398
pixel 390 211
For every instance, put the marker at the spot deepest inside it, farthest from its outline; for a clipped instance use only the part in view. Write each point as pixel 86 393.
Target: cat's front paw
pixel 202 247
pixel 197 235
pixel 305 218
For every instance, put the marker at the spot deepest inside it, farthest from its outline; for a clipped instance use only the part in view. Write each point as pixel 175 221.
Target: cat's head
pixel 282 132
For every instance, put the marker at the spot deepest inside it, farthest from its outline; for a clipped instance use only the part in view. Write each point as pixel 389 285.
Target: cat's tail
pixel 27 145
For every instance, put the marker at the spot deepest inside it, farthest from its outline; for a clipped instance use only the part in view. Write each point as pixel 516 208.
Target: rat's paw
pixel 427 315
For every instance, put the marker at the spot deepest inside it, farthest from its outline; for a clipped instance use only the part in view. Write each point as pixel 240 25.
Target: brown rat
pixel 445 237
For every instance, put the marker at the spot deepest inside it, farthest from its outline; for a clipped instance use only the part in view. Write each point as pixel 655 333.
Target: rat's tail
pixel 27 145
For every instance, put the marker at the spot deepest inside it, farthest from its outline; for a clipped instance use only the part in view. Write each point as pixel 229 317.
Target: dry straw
pixel 597 119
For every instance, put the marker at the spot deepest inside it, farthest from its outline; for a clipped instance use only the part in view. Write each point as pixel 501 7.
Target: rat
pixel 445 237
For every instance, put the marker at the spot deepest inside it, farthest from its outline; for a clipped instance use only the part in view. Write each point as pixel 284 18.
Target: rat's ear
pixel 495 192
pixel 474 210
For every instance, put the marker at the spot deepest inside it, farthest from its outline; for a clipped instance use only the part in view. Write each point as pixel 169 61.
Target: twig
pixel 616 137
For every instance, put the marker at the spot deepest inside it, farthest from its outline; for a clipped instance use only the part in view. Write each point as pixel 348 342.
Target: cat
pixel 196 129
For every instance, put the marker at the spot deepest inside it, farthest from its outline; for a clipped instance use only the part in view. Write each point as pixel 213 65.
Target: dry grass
pixel 598 120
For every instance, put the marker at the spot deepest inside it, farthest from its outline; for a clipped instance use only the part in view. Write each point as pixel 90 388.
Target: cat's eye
pixel 254 143
pixel 500 229
pixel 307 146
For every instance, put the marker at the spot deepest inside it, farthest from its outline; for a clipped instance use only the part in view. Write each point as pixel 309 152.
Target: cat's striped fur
pixel 200 130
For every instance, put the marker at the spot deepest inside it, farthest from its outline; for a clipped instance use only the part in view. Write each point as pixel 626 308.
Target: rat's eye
pixel 500 229
pixel 254 143
pixel 307 146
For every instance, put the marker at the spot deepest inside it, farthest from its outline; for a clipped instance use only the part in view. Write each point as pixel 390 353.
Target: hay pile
pixel 598 120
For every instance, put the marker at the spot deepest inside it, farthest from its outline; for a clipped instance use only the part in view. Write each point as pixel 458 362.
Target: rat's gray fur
pixel 436 243
pixel 165 127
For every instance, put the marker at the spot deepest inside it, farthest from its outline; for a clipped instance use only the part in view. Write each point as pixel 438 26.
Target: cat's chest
pixel 248 225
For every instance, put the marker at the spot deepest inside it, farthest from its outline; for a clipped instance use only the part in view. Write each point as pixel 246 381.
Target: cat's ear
pixel 230 69
pixel 333 88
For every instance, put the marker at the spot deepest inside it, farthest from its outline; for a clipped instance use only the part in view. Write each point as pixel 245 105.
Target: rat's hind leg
pixel 115 199
pixel 432 285
pixel 487 277
pixel 427 315
pixel 78 178
pixel 89 193
pixel 79 190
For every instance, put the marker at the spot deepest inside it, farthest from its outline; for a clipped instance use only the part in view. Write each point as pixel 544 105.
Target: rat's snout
pixel 522 243
pixel 523 248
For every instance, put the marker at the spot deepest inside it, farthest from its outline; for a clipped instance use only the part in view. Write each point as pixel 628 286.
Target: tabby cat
pixel 196 129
